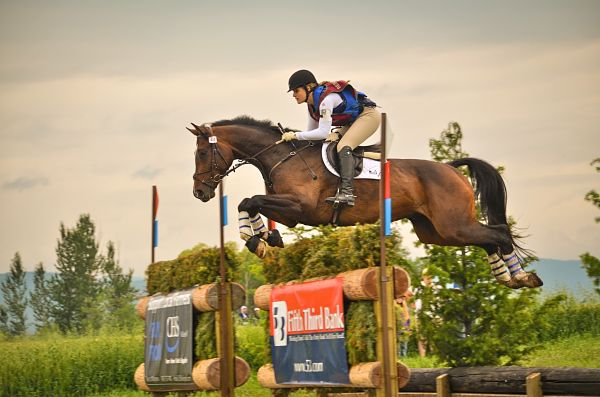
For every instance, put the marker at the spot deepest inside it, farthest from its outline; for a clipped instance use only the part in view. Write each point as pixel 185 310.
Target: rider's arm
pixel 312 124
pixel 321 130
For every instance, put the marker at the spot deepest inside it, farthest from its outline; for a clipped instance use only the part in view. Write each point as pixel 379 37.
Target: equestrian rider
pixel 335 104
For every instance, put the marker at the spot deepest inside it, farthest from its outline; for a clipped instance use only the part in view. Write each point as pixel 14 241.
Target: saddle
pixel 359 153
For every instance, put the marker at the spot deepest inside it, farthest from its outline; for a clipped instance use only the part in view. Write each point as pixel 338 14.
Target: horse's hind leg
pixel 494 239
pixel 512 262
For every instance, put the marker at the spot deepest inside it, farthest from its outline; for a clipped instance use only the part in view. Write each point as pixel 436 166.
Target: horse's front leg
pixel 252 227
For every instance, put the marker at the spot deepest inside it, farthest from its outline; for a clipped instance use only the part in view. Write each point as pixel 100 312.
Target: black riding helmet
pixel 301 78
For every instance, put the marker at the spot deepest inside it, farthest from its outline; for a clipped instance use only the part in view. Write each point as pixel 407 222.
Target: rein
pixel 219 176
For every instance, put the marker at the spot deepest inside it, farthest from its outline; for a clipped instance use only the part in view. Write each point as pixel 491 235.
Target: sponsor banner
pixel 307 333
pixel 168 356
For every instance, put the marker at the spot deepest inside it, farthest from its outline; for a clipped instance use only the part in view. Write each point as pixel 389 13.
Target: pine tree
pixel 14 290
pixel 76 285
pixel 39 299
pixel 466 317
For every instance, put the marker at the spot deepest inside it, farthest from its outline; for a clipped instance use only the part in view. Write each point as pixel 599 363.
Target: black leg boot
pixel 345 195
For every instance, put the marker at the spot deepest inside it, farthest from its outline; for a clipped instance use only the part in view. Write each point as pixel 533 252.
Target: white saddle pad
pixel 371 168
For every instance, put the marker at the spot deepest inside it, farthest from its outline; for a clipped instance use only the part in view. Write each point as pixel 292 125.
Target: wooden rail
pixel 497 381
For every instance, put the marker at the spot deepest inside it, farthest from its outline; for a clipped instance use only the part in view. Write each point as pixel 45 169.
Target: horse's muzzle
pixel 204 194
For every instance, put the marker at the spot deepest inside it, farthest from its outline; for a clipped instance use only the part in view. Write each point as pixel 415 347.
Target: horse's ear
pixel 201 130
pixel 193 131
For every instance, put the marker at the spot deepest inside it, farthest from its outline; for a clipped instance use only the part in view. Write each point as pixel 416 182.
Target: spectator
pixel 244 317
pixel 403 323
pixel 426 282
pixel 256 317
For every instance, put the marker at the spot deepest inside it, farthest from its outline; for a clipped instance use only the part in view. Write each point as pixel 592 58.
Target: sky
pixel 95 97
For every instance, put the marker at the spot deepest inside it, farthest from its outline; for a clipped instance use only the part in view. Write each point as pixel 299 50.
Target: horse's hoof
pixel 532 280
pixel 257 246
pixel 261 250
pixel 512 283
pixel 529 280
pixel 274 239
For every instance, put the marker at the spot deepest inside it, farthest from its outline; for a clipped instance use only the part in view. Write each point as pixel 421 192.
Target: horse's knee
pixel 248 205
pixel 243 205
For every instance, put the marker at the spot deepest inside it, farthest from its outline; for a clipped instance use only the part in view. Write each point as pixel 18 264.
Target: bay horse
pixel 435 197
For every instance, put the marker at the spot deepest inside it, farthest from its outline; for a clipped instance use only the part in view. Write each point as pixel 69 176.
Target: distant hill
pixel 137 282
pixel 558 275
pixel 562 275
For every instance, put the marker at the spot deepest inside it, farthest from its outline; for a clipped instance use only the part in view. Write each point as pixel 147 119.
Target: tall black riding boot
pixel 345 195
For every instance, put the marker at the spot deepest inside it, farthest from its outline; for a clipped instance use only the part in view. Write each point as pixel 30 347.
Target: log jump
pixel 358 285
pixel 504 380
pixel 206 373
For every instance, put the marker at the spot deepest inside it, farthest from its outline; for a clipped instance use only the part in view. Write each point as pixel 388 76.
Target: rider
pixel 337 104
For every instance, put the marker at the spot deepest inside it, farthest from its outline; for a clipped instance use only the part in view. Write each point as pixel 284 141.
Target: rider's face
pixel 300 94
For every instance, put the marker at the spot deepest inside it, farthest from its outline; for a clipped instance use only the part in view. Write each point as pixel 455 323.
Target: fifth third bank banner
pixel 307 333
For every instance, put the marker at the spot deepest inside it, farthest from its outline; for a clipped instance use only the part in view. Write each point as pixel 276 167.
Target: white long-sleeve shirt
pixel 320 130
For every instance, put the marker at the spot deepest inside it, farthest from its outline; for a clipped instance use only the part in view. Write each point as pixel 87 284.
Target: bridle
pixel 213 177
pixel 217 173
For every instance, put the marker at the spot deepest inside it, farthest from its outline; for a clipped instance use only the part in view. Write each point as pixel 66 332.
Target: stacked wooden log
pixel 363 375
pixel 206 375
pixel 205 298
pixel 359 285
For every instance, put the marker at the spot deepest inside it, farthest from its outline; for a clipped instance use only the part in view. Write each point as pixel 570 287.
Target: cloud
pixel 24 183
pixel 148 172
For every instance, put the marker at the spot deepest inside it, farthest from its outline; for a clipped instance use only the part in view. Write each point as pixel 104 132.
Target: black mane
pixel 249 121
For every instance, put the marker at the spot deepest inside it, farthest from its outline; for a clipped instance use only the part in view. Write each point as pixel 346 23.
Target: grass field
pixel 577 351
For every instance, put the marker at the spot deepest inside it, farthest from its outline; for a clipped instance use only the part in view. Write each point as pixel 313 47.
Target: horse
pixel 435 197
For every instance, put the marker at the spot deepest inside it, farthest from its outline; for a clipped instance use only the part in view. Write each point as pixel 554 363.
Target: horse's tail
pixel 491 191
pixel 489 188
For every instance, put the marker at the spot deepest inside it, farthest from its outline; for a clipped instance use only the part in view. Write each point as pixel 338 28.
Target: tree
pixel 593 196
pixel 590 263
pixel 466 317
pixel 249 273
pixel 75 285
pixel 14 290
pixel 117 292
pixel 3 320
pixel 39 299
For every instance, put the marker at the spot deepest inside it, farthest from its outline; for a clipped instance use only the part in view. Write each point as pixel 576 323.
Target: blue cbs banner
pixel 169 341
pixel 307 333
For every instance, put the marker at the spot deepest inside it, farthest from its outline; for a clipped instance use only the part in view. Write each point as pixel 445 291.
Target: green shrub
pixel 251 345
pixel 562 316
